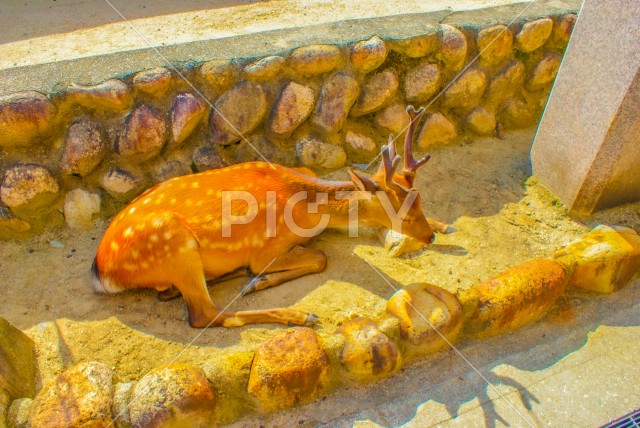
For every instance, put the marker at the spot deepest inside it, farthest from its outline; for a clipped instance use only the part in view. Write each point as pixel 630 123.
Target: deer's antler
pixel 390 165
pixel 410 164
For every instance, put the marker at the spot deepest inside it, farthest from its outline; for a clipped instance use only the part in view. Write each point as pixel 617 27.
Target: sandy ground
pixel 482 188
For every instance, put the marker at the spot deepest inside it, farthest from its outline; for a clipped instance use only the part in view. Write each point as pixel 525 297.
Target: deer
pixel 171 237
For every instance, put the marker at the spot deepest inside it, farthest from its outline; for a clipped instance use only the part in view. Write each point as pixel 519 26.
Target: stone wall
pixel 83 151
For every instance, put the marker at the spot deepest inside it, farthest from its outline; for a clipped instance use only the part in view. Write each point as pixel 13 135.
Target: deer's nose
pixel 432 239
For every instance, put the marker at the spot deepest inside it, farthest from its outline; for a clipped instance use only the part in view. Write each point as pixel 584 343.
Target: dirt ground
pixel 483 188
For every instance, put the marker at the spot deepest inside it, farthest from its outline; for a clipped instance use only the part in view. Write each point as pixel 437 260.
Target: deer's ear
pixel 363 182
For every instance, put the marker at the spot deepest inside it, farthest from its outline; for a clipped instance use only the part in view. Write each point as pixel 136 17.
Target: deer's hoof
pixel 311 319
pixel 250 285
pixel 450 229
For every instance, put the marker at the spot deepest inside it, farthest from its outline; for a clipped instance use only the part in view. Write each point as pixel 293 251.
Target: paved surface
pixel 90 55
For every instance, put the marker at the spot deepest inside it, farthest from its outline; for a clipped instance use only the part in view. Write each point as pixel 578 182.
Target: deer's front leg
pixel 299 261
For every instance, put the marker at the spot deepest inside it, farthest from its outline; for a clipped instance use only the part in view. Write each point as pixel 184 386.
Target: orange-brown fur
pixel 170 237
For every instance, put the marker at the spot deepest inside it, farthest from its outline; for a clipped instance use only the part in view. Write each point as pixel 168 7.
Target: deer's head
pixel 394 202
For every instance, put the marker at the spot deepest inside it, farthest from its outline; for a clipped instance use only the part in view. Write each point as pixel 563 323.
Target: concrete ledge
pixel 44 77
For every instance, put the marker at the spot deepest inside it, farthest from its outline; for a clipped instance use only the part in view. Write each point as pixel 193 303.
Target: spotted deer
pixel 171 238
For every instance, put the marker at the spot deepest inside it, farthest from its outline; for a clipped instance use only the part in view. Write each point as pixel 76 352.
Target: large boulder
pixel 314 59
pixel 112 94
pixel 430 317
pixel 604 260
pixel 368 353
pixel 84 147
pixel 80 396
pixel 28 184
pixel 336 97
pixel 288 369
pixel 514 298
pixel 237 112
pixel 176 395
pixel 292 107
pixel 367 55
pixel 142 135
pixel 25 117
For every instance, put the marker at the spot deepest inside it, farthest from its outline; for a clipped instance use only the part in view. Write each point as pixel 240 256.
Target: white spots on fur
pixel 128 233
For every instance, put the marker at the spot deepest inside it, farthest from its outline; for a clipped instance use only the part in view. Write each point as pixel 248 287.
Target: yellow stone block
pixel 368 353
pixel 290 368
pixel 516 297
pixel 604 260
pixel 430 317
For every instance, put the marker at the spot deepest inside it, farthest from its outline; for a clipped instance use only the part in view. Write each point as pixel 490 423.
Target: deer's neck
pixel 341 200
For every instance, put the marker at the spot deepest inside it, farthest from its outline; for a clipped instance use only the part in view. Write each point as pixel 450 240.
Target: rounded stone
pixel 25 117
pixel 534 34
pixel 205 158
pixel 18 415
pixel 142 134
pixel 422 82
pixel 376 92
pixel 186 113
pixel 237 112
pixel 453 50
pixel 480 121
pixel 416 47
pixel 176 395
pixel 79 208
pixel 516 113
pixel 313 152
pixel 292 107
pixel 79 396
pixel 264 68
pixel 437 129
pixel 314 59
pixel 122 184
pixel 512 299
pixel 604 260
pixel 424 310
pixel 155 81
pixel 170 169
pixel 28 183
pixel 495 45
pixel 84 147
pixel 288 369
pixel 337 95
pixel 368 353
pixel 466 91
pixel 112 94
pixel 219 74
pixel 393 118
pixel 359 141
pixel 562 29
pixel 544 73
pixel 505 83
pixel 367 55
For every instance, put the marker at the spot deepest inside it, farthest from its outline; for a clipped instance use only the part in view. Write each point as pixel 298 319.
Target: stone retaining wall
pixel 83 151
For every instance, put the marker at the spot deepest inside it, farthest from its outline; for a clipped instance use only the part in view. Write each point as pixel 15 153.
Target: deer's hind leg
pixel 298 261
pixel 173 293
